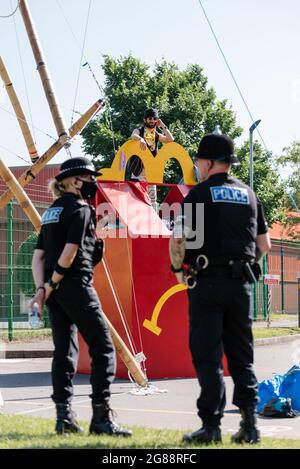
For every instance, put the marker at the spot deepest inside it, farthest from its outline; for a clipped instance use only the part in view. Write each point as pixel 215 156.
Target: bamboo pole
pixel 19 112
pixel 21 196
pixel 30 174
pixel 126 356
pixel 33 215
pixel 57 116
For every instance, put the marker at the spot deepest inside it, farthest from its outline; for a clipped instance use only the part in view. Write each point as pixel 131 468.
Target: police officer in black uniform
pixel 220 274
pixel 63 262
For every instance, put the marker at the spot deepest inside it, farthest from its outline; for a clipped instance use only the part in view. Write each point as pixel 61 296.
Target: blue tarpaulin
pixel 280 387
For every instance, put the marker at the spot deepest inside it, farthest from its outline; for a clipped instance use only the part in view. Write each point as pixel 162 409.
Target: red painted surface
pixel 139 269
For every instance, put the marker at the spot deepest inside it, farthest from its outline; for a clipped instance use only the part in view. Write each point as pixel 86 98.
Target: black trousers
pixel 75 305
pixel 219 314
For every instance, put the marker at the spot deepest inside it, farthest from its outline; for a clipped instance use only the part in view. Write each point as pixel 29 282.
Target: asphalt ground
pixel 26 388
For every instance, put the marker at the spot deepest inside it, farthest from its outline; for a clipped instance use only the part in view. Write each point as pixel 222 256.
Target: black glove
pixel 98 251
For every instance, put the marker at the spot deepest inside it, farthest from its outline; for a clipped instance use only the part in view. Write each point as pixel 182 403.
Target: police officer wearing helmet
pixel 220 271
pixel 63 262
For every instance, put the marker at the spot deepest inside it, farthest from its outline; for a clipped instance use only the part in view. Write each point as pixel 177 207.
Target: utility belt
pixel 236 268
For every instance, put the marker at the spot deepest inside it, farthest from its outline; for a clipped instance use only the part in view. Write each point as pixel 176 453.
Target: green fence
pixel 284 262
pixel 17 242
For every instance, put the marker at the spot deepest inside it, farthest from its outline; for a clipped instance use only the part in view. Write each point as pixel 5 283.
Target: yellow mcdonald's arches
pixel 151 324
pixel 154 166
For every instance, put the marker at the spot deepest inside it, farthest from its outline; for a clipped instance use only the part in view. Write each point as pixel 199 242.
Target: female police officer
pixel 62 267
pixel 235 235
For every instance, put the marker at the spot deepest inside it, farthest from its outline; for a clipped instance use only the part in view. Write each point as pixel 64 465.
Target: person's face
pixel 78 180
pixel 203 168
pixel 86 177
pixel 150 122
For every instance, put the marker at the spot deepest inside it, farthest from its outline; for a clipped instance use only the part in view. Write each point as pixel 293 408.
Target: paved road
pixel 26 387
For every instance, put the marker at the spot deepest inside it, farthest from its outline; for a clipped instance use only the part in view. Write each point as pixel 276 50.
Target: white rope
pixel 15 154
pixel 150 389
pixel 115 295
pixel 239 90
pixel 122 314
pixel 35 127
pixel 135 302
pixel 81 57
pixel 11 14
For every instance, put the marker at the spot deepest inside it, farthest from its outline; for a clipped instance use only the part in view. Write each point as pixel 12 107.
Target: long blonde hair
pixel 57 188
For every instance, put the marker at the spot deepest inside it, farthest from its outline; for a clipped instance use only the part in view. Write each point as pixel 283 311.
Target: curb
pixel 28 354
pixel 49 353
pixel 276 340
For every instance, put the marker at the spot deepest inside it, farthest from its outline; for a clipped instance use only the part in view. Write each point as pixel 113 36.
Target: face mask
pixel 88 189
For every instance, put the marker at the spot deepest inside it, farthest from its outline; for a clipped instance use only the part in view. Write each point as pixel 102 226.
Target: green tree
pixel 189 107
pixel 266 182
pixel 186 104
pixel 291 159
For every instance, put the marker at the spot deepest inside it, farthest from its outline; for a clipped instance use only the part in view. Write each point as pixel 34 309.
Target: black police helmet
pixel 76 167
pixel 151 112
pixel 217 147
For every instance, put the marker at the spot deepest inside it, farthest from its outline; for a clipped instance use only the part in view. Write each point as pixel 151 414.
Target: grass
pixel 35 433
pixel 275 316
pixel 26 335
pixel 266 332
pixel 29 335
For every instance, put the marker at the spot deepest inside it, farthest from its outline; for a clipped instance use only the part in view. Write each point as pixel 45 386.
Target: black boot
pixel 204 435
pixel 102 422
pixel 66 422
pixel 248 432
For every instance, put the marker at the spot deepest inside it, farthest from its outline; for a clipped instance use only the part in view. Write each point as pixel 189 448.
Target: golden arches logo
pixel 154 171
pixel 154 166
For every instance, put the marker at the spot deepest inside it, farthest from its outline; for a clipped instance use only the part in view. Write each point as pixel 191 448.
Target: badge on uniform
pixel 51 215
pixel 232 195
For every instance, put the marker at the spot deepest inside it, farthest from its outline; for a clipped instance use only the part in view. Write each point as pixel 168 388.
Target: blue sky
pixel 259 37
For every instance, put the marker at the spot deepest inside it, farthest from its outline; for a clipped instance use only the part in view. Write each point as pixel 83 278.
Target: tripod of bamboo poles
pixel 33 215
pixel 30 174
pixel 15 187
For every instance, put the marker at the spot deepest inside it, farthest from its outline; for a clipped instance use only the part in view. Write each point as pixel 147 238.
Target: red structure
pixel 138 262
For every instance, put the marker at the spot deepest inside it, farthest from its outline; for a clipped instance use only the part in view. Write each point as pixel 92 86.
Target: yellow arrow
pixel 152 324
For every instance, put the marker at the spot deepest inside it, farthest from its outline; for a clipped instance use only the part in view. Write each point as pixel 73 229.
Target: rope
pixel 34 126
pixel 230 71
pixel 23 74
pixel 109 276
pixel 238 88
pixel 135 301
pixel 11 14
pixel 94 77
pixel 81 57
pixel 86 63
pixel 122 315
pixel 15 154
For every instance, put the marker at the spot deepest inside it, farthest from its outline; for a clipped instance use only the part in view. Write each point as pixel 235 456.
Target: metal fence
pixel 17 242
pixel 283 261
pixel 18 239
